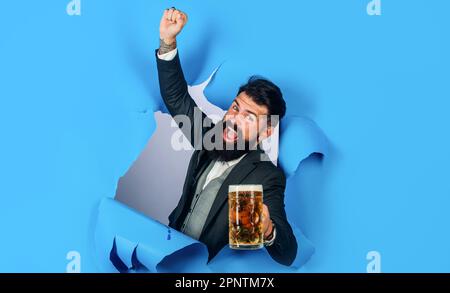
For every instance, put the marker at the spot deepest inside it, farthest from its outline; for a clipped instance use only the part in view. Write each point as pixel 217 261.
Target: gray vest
pixel 202 202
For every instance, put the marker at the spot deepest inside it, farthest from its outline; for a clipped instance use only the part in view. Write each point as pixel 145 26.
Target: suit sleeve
pixel 181 106
pixel 284 248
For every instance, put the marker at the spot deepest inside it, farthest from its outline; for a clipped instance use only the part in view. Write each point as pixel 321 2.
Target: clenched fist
pixel 172 22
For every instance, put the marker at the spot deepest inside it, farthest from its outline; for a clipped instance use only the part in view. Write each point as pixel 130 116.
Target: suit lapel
pixel 202 162
pixel 236 176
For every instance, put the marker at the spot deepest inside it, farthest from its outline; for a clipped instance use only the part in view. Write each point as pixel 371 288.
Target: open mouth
pixel 229 134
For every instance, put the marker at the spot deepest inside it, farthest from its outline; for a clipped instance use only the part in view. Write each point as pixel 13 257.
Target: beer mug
pixel 245 204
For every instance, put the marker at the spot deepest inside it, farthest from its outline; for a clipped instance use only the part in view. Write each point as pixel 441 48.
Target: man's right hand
pixel 172 22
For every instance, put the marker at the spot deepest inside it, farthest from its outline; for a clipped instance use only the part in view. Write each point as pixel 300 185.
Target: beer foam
pixel 245 187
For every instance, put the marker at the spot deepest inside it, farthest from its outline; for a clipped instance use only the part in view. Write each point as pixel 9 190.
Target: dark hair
pixel 266 93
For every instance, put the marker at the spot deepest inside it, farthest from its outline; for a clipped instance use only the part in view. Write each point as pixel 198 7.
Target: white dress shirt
pixel 169 55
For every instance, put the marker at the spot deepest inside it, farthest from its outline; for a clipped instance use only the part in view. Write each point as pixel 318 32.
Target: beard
pixel 230 151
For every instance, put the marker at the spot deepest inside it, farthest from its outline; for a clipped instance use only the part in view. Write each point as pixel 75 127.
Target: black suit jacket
pixel 250 170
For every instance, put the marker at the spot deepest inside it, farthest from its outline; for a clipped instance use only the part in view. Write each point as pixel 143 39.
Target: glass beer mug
pixel 245 204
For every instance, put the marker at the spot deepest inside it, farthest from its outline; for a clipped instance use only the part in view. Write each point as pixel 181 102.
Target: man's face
pixel 245 120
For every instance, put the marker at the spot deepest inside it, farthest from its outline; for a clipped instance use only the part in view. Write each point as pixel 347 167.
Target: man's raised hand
pixel 172 22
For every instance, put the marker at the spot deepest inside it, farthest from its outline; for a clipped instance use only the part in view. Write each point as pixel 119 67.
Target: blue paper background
pixel 77 98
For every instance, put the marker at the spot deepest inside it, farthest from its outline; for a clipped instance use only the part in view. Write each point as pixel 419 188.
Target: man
pixel 235 157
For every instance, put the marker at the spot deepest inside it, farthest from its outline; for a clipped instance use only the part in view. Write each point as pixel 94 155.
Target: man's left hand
pixel 266 222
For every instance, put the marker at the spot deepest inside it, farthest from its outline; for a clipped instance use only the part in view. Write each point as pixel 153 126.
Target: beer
pixel 245 203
